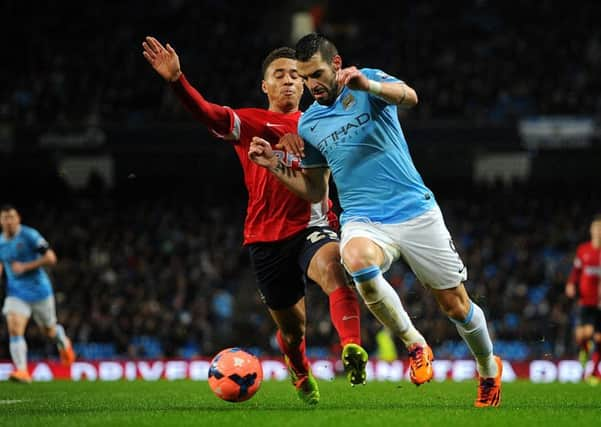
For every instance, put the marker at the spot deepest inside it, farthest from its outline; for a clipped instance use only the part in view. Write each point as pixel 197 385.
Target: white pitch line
pixel 10 402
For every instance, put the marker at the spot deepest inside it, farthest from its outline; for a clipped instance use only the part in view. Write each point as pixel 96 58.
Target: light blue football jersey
pixel 25 246
pixel 360 139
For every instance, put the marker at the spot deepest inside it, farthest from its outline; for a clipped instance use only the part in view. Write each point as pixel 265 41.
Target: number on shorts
pixel 316 236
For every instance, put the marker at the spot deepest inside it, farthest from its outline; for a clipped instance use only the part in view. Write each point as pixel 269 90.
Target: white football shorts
pixel 424 242
pixel 43 311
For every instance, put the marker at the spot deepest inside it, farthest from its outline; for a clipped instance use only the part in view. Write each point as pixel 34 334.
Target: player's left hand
pixel 17 267
pixel 353 78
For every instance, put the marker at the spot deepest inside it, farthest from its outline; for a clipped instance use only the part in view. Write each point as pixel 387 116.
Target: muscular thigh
pixel 282 268
pixel 356 233
pixel 319 248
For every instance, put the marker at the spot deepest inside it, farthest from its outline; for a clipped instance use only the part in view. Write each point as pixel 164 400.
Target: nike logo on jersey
pixel 312 128
pixel 349 317
pixel 274 125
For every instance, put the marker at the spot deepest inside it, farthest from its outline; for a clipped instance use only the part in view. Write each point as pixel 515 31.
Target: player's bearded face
pixel 320 79
pixel 331 88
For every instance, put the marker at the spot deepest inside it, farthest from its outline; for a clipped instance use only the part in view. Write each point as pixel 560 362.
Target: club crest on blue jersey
pixel 348 101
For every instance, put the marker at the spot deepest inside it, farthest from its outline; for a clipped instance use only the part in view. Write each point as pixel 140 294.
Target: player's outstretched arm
pixel 310 184
pixel 163 59
pixel 166 63
pixel 397 93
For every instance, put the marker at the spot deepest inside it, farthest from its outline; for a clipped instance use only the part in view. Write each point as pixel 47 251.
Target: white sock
pixel 18 352
pixel 384 303
pixel 60 338
pixel 474 332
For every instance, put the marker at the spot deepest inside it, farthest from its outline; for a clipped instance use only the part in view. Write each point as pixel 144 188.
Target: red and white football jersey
pixel 273 212
pixel 586 274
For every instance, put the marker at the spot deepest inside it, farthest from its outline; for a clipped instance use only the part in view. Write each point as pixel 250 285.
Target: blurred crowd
pixel 166 276
pixel 79 63
pixel 162 277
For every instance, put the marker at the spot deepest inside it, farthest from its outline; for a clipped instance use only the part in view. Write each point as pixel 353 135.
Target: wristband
pixel 375 88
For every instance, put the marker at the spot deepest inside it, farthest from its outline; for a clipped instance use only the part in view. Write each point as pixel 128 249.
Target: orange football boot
pixel 18 376
pixel 489 389
pixel 420 363
pixel 67 354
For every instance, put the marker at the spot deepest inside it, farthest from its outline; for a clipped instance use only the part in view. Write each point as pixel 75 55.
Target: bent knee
pixel 360 253
pixel 330 276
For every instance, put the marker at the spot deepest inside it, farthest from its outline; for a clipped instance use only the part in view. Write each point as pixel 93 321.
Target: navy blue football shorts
pixel 281 267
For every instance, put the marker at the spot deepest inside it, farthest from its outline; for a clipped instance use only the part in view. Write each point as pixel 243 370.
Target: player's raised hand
pixel 162 58
pixel 353 78
pixel 292 143
pixel 261 153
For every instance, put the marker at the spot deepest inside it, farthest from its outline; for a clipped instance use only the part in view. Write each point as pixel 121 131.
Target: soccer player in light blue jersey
pixel 352 130
pixel 23 255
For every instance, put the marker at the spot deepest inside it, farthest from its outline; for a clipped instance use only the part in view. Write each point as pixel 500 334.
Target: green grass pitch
pixel 387 404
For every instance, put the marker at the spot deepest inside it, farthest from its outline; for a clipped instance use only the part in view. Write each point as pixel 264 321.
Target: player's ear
pixel 264 87
pixel 337 62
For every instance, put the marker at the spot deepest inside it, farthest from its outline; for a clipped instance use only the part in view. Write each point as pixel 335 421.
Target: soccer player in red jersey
pixel 289 239
pixel 586 275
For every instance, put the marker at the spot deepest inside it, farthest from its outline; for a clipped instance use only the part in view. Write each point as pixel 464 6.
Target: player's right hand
pixel 261 153
pixel 17 267
pixel 163 59
pixel 292 143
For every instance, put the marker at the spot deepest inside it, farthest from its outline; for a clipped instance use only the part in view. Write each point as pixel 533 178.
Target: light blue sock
pixel 474 332
pixel 60 338
pixel 18 352
pixel 385 304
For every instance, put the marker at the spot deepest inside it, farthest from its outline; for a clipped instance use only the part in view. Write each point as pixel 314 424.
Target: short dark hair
pixel 7 207
pixel 312 43
pixel 597 217
pixel 280 52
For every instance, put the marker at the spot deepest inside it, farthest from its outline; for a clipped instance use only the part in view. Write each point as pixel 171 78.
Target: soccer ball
pixel 235 375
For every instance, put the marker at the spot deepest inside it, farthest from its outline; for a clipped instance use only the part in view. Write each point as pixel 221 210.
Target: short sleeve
pixel 36 241
pixel 380 76
pixel 313 158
